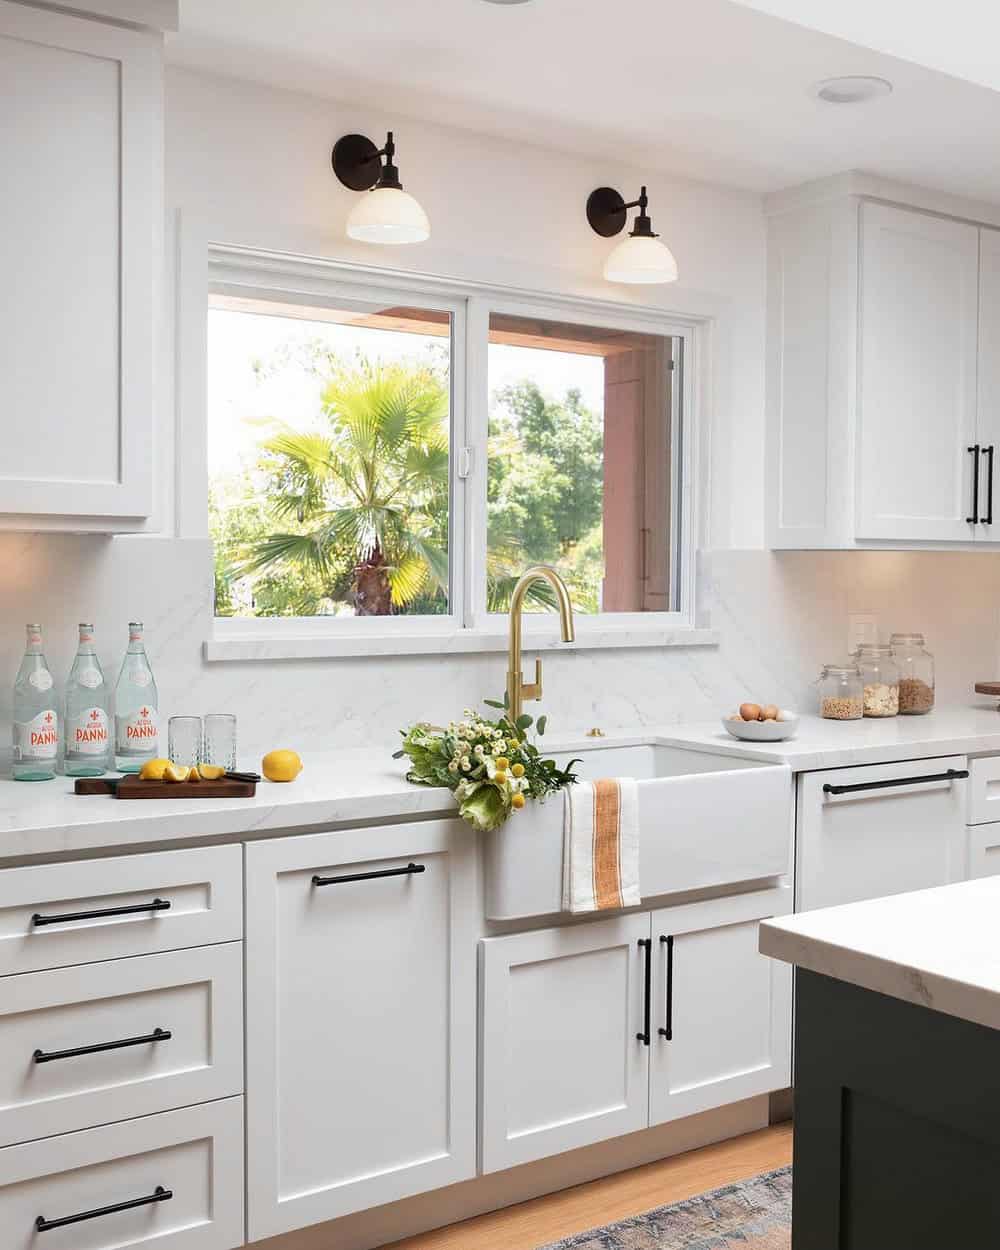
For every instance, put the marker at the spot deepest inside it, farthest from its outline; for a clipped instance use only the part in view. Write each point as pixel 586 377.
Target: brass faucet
pixel 517 688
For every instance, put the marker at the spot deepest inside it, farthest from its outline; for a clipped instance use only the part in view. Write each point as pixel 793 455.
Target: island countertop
pixel 937 948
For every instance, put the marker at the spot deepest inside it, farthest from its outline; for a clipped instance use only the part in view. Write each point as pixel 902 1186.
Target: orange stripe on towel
pixel 607 825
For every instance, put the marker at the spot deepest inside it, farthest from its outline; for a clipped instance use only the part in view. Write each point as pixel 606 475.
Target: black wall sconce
pixel 641 257
pixel 385 213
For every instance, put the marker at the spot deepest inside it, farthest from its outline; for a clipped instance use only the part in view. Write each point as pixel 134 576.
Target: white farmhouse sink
pixel 705 821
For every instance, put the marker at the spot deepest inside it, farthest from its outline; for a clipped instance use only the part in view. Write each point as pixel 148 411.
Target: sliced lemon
pixel 194 773
pixel 153 770
pixel 211 772
pixel 175 772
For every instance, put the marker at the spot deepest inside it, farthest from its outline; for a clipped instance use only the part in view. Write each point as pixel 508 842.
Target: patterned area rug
pixel 751 1215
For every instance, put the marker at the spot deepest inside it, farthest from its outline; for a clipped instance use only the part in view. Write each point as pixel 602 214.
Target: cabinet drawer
pixel 77 913
pixel 984 790
pixel 194 999
pixel 194 1155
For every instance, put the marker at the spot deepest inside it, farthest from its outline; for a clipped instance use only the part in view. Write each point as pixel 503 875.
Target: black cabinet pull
pixel 988 518
pixel 974 451
pixel 370 876
pixel 48 1056
pixel 953 774
pixel 646 945
pixel 668 1025
pixel 158 904
pixel 159 1194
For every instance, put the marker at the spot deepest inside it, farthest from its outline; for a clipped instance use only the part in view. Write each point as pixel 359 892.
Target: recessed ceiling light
pixel 852 89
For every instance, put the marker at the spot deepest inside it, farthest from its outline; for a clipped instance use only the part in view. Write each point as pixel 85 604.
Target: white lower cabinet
pixel 108 1041
pixel 580 1043
pixel 361 1020
pixel 172 1181
pixel 721 1010
pixel 562 1065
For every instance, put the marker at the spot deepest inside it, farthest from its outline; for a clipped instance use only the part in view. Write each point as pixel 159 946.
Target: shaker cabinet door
pixel 79 250
pixel 917 349
pixel 361 1020
pixel 722 1012
pixel 562 1061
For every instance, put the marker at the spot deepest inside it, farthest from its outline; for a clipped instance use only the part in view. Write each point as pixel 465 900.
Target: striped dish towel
pixel 601 845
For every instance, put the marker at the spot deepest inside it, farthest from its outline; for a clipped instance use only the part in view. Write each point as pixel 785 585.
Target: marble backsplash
pixel 780 616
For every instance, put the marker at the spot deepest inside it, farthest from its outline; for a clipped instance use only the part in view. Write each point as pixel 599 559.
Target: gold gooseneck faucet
pixel 517 688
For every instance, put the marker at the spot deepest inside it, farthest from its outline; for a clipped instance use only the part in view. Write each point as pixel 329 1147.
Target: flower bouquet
pixel 489 765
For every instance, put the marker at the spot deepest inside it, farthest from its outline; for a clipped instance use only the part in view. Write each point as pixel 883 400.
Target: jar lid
pixel 873 650
pixel 914 640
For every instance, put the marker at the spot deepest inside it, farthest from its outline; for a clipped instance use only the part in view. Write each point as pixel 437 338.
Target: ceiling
pixel 709 89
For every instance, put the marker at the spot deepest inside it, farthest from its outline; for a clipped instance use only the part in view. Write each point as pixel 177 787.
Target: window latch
pixel 465 461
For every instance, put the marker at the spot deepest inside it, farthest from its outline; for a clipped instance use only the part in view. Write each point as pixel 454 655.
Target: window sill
pixel 452 642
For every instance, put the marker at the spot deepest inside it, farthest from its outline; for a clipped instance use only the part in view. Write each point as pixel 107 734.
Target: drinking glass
pixel 184 740
pixel 219 741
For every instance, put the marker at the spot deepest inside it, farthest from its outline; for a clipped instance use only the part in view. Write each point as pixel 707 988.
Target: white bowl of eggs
pixel 756 722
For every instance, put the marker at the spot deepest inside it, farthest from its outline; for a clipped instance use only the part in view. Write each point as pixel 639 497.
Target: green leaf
pixel 524 721
pixel 542 722
pixel 494 703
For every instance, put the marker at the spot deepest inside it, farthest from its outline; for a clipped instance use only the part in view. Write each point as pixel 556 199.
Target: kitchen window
pixel 386 455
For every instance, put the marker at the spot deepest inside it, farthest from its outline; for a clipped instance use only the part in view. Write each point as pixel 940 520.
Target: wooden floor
pixel 543 1220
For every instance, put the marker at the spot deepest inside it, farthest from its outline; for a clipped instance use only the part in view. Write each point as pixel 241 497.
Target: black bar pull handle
pixel 158 904
pixel 49 1056
pixel 953 774
pixel 668 1025
pixel 988 518
pixel 409 870
pixel 646 945
pixel 974 452
pixel 159 1194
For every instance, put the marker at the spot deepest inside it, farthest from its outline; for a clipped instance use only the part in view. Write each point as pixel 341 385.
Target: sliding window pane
pixel 329 464
pixel 580 473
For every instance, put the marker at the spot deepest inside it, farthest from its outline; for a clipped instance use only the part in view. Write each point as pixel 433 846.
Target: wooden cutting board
pixel 988 687
pixel 131 787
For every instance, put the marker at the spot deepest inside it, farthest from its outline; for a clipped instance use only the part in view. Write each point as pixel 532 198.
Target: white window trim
pixel 254 273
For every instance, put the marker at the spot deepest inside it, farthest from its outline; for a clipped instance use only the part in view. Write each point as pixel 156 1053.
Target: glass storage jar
pixel 841 692
pixel 916 673
pixel 880 678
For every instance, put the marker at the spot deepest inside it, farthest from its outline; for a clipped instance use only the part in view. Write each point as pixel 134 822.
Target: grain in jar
pixel 916 674
pixel 841 695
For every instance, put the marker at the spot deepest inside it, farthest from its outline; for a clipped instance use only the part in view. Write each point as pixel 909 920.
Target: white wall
pixel 250 164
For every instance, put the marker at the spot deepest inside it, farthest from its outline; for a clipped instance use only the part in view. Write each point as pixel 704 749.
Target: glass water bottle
pixel 88 726
pixel 137 725
pixel 36 715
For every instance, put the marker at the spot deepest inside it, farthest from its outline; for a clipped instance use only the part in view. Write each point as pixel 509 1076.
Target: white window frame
pixel 468 626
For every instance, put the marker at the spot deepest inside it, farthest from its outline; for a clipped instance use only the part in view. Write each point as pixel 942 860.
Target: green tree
pixel 369 492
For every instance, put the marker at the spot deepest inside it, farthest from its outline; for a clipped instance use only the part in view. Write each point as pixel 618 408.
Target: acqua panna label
pixel 139 733
pixel 38 738
pixel 88 733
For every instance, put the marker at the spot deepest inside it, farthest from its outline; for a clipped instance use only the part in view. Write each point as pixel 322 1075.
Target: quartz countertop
pixel 365 785
pixel 935 948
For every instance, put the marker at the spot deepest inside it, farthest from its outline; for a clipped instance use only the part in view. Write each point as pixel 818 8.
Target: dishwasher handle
pixel 953 774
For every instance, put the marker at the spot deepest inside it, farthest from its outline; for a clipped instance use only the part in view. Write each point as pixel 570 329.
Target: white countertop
pixel 365 785
pixel 937 948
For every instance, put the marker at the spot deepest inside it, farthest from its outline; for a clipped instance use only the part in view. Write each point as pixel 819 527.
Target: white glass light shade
pixel 388 215
pixel 641 258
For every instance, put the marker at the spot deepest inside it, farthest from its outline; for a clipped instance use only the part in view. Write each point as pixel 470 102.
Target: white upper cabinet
pixel 883 381
pixel 81 151
pixel 916 419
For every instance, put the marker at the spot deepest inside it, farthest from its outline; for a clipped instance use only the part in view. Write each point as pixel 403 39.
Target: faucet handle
pixel 534 689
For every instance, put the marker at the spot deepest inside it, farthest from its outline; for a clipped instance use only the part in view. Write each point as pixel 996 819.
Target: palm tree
pixel 371 492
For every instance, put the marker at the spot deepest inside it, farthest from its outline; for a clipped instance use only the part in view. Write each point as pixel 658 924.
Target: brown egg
pixel 750 711
pixel 770 712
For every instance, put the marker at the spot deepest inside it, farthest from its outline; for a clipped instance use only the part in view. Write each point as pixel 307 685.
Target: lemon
pixel 175 772
pixel 193 773
pixel 153 770
pixel 281 765
pixel 210 772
